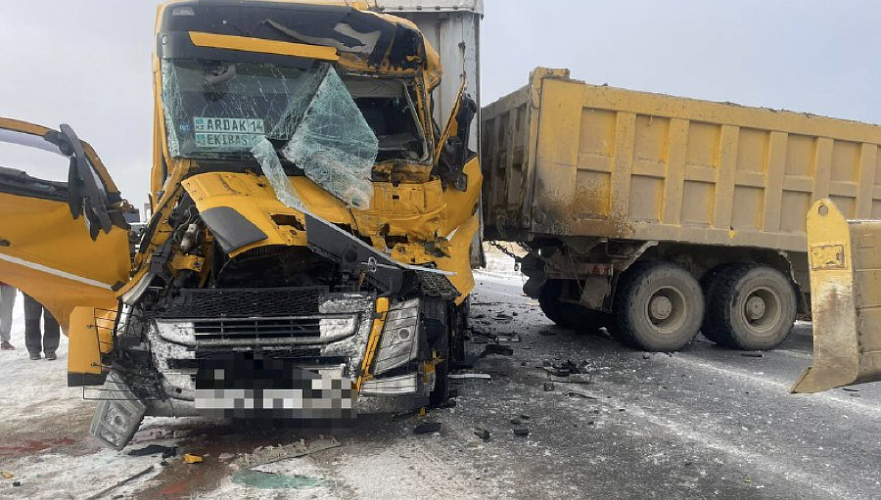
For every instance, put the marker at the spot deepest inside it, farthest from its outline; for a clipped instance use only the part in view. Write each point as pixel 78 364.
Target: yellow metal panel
pixel 382 307
pixel 51 257
pixel 460 260
pixel 263 46
pixel 845 280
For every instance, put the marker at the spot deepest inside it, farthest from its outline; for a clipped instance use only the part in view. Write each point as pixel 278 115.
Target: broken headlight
pixel 400 337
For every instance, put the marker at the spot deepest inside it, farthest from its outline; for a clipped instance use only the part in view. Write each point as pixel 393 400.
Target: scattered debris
pixel 154 449
pixel 565 368
pixel 270 481
pixel 482 434
pixel 270 455
pixel 124 482
pixel 496 350
pixel 582 396
pixel 16 484
pixel 549 387
pixel 467 376
pixel 427 428
pixel 7 474
pixel 450 403
pixel 193 459
pixel 521 431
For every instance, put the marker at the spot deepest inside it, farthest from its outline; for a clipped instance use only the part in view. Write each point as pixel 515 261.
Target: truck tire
pixel 752 308
pixel 569 316
pixel 659 306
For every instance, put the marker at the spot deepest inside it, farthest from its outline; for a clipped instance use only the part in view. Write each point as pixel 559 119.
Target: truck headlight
pixel 400 337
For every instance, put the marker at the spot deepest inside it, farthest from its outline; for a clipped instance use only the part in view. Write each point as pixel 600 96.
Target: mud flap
pixel 845 262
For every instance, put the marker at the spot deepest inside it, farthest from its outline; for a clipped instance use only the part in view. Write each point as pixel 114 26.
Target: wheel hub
pixel 661 308
pixel 755 308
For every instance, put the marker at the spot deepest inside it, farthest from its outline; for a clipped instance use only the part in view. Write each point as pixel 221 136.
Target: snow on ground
pixel 702 423
pixel 44 425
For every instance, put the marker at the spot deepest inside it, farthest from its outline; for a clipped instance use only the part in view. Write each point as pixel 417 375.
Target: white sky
pixel 87 62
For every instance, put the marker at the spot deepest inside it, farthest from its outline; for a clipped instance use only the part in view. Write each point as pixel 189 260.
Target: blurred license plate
pixel 271 388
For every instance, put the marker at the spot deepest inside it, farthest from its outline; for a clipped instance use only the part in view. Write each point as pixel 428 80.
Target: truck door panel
pixel 44 251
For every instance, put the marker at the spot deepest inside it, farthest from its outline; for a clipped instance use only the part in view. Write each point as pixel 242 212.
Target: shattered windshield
pixel 221 110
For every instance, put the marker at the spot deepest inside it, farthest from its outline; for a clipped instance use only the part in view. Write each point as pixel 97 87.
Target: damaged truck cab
pixel 309 250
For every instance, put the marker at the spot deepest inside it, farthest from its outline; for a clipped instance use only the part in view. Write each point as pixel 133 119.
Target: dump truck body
pixel 308 256
pixel 595 179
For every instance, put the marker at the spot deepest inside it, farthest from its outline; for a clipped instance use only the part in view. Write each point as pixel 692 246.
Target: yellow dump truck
pixel 309 250
pixel 654 215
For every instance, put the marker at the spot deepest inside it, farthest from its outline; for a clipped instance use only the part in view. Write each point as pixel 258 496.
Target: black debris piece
pixel 516 421
pixel 521 431
pixel 154 449
pixel 496 350
pixel 427 428
pixel 549 387
pixel 482 434
pixel 752 355
pixel 450 403
pixel 582 396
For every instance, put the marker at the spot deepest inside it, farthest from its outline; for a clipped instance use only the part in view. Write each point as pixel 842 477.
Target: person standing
pixel 7 303
pixel 35 339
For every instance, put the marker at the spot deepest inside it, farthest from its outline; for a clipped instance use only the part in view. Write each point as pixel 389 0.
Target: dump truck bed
pixel 565 158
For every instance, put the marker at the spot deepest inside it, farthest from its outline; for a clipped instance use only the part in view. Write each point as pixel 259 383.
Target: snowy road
pixel 703 423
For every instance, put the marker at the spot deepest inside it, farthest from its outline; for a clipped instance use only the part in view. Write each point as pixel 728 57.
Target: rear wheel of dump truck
pixel 659 307
pixel 752 307
pixel 569 316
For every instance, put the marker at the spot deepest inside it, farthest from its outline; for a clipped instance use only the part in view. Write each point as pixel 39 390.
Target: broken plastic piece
pixel 7 474
pixel 118 415
pixel 466 376
pixel 265 456
pixel 193 459
pixel 334 145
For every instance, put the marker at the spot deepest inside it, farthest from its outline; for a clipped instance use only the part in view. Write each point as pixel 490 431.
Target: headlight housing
pixel 400 337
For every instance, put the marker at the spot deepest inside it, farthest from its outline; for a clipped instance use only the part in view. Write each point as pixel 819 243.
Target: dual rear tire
pixel 661 307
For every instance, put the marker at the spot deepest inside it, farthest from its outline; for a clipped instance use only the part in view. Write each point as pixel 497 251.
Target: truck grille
pixel 243 303
pixel 264 331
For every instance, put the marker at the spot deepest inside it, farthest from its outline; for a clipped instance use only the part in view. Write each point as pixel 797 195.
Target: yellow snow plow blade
pixel 845 262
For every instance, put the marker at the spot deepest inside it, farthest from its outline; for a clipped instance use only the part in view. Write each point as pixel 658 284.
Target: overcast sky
pixel 87 62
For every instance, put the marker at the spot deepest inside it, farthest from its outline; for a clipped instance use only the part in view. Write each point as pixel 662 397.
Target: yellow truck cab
pixel 309 251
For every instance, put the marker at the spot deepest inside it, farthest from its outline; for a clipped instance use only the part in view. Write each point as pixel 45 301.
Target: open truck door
pixel 64 243
pixel 845 262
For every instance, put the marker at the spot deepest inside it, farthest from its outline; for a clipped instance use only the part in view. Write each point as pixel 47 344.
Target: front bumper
pixel 307 363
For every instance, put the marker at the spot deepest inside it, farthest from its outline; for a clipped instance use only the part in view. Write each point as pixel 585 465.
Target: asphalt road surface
pixel 702 423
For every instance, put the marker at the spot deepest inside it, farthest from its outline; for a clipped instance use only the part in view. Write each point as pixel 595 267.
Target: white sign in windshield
pixel 228 133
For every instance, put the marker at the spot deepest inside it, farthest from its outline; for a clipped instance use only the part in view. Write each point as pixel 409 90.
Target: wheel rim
pixel 666 310
pixel 761 310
